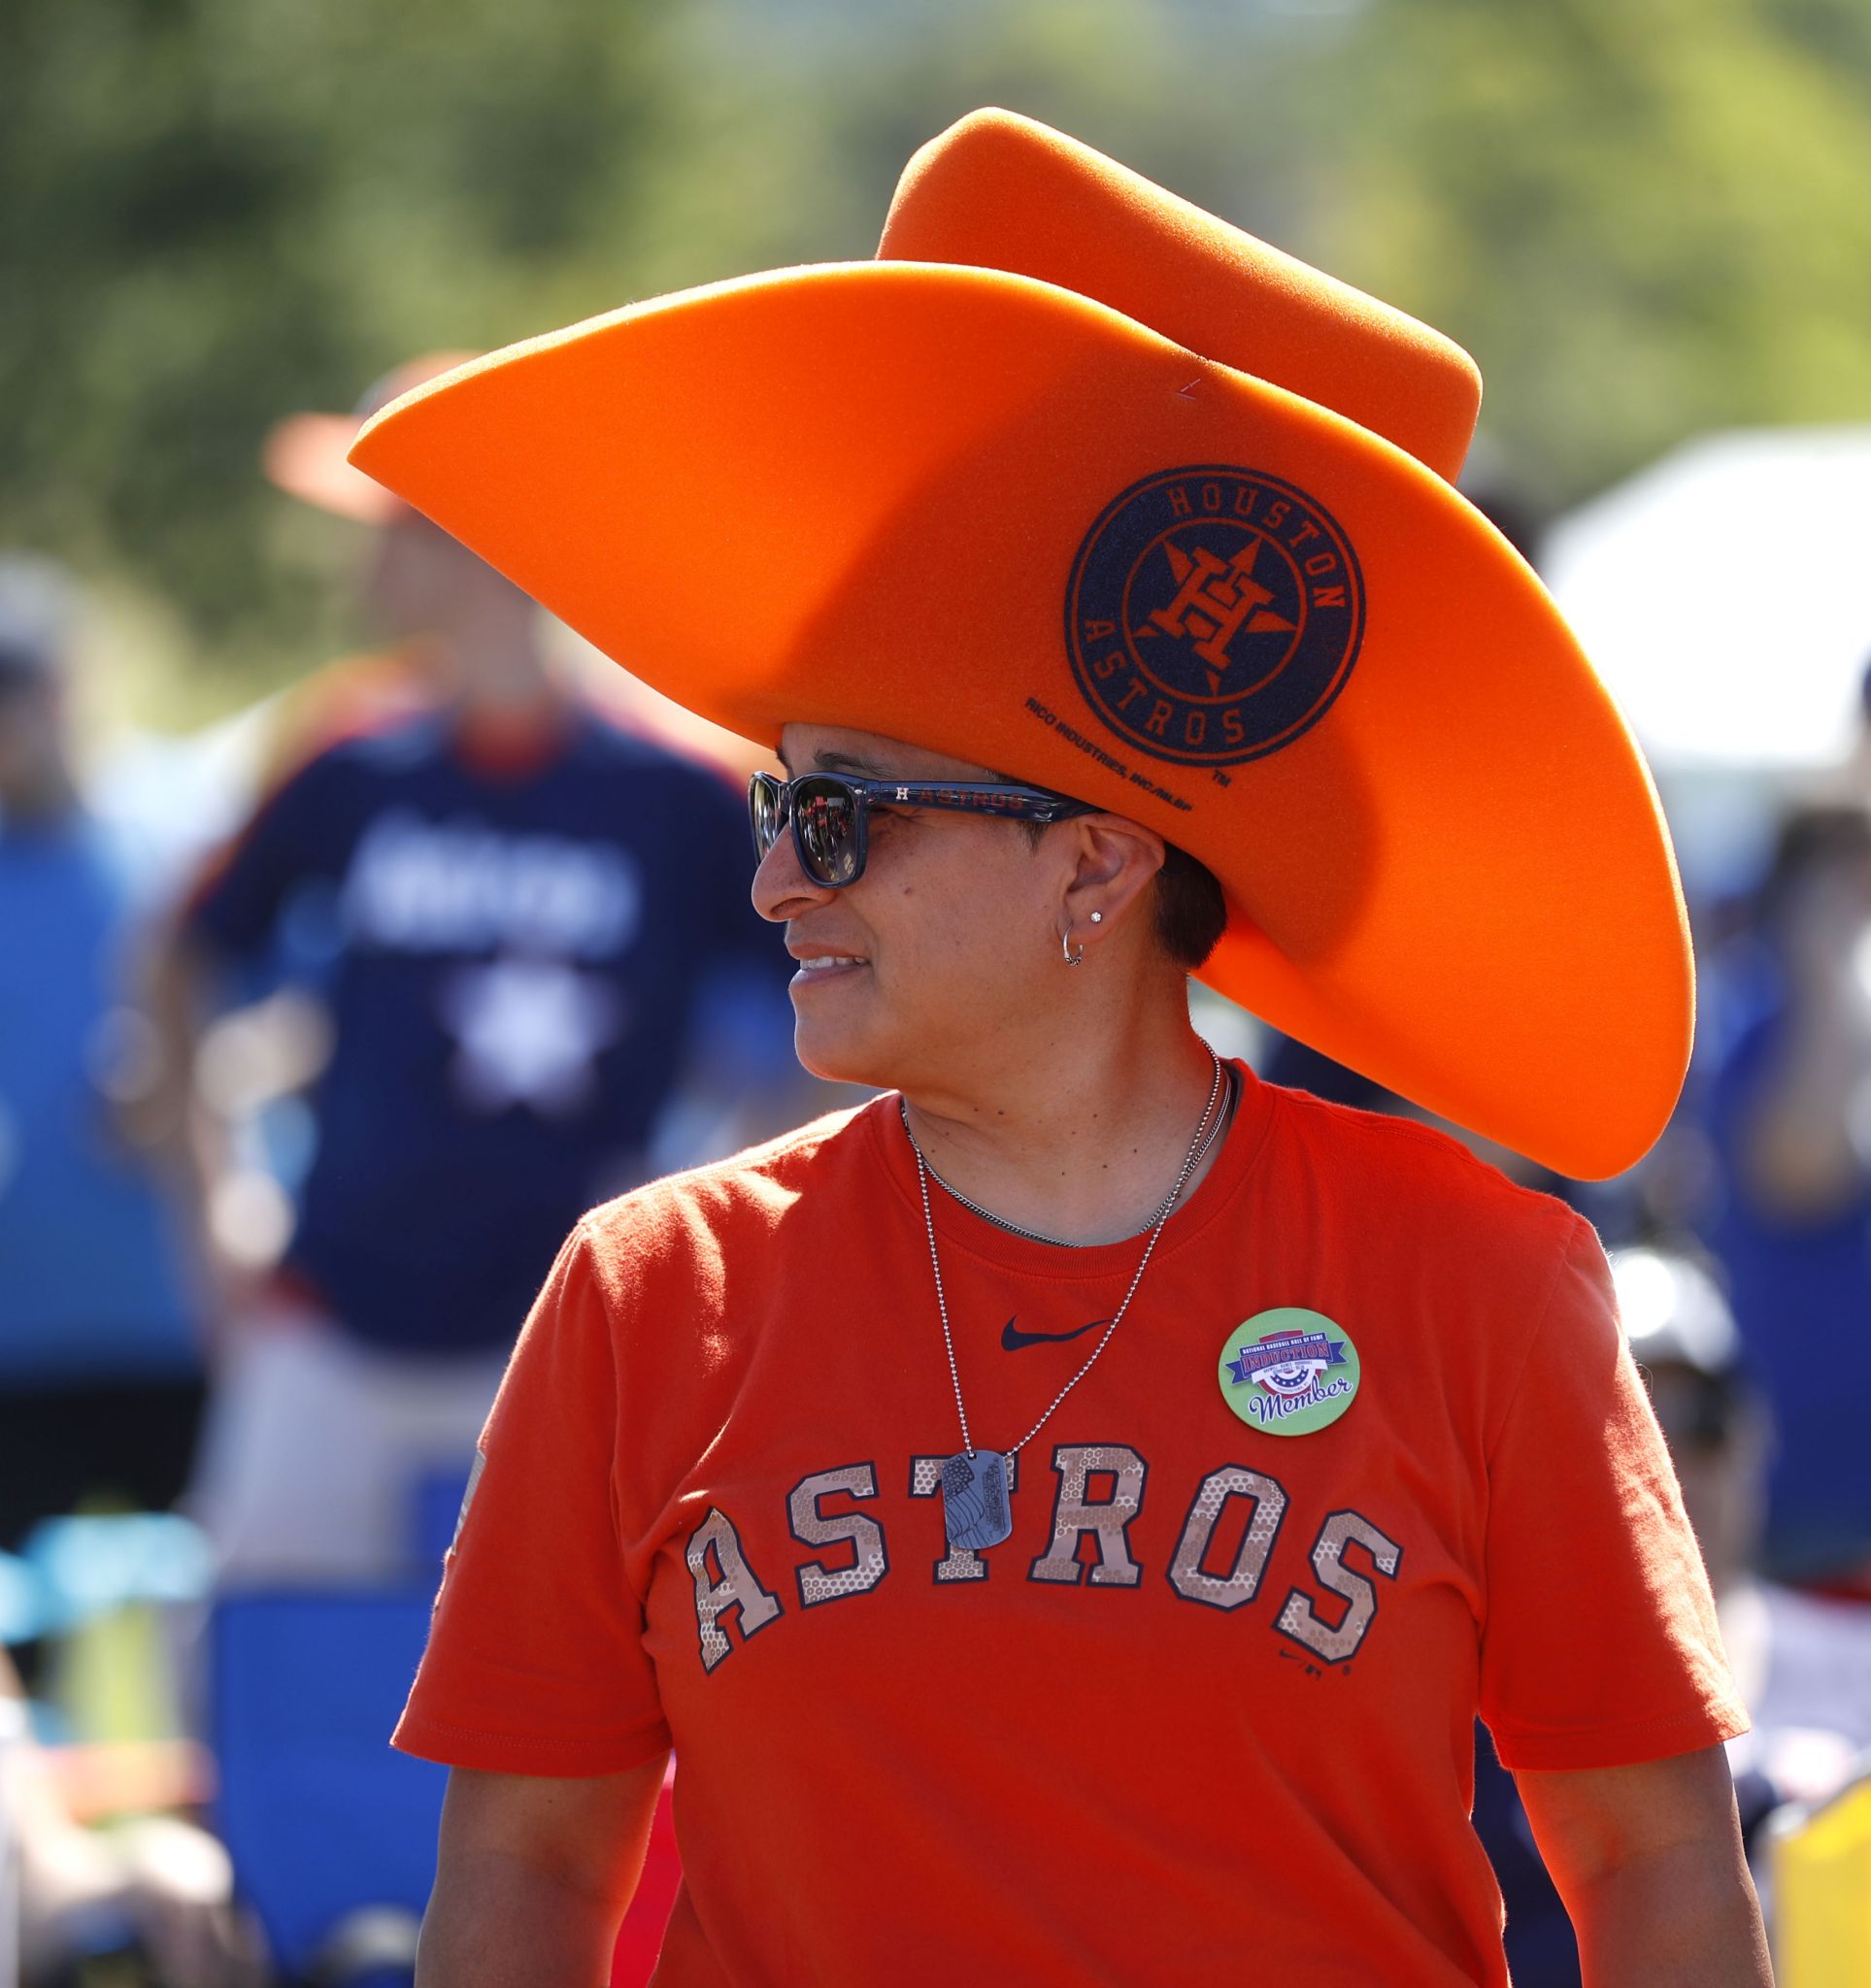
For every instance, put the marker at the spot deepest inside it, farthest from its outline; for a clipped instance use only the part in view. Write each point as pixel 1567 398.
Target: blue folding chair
pixel 332 1834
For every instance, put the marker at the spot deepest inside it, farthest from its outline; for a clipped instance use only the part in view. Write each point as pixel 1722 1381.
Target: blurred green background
pixel 1645 217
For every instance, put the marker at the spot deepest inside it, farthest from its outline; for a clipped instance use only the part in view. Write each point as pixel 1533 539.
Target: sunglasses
pixel 831 814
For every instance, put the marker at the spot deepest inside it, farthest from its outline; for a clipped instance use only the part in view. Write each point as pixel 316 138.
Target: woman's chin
pixel 841 1054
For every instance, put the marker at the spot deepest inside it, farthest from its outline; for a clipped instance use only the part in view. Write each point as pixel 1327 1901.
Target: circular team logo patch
pixel 1213 614
pixel 1289 1372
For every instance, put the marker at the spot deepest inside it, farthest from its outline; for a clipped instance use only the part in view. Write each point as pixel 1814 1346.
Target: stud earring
pixel 1097 917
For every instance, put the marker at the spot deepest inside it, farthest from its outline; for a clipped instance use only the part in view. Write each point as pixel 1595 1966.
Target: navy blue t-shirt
pixel 1801 1292
pixel 514 962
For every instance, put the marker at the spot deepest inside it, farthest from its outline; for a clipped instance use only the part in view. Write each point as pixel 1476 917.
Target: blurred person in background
pixel 100 1370
pixel 523 923
pixel 1802 1662
pixel 1788 1107
pixel 155 1893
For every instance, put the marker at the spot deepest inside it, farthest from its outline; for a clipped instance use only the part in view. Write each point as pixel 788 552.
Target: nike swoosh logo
pixel 1011 1338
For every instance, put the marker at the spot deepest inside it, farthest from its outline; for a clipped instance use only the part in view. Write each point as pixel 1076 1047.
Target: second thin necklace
pixel 977 1510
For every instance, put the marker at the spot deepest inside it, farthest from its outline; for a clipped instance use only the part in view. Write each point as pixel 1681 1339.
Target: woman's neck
pixel 1084 1148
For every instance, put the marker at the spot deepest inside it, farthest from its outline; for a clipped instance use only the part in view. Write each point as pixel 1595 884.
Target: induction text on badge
pixel 1288 1371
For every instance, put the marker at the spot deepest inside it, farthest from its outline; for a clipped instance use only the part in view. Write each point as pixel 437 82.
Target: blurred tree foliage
pixel 1646 216
pixel 215 211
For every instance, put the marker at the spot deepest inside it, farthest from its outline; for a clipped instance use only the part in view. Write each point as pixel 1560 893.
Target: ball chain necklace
pixel 976 1507
pixel 1215 1128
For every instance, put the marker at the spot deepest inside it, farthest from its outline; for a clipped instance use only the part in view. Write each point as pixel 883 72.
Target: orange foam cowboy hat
pixel 1079 482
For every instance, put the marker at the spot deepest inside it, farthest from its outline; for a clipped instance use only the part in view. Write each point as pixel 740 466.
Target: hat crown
pixel 1001 191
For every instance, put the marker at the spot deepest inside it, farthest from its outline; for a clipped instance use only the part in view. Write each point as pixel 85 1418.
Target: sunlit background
pixel 1650 221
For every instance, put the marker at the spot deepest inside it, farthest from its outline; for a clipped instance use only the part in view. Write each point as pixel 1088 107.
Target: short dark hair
pixel 1191 913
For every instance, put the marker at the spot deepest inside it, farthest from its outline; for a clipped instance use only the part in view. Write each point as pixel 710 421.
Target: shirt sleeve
pixel 1599 1647
pixel 297 837
pixel 535 1663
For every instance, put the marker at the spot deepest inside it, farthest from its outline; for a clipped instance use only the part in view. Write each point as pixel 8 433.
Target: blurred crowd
pixel 290 1136
pixel 289 1133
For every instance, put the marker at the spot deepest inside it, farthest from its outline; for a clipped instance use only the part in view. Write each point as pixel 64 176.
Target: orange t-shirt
pixel 1208 1711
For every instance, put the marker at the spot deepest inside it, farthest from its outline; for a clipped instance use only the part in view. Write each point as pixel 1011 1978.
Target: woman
pixel 1067 1514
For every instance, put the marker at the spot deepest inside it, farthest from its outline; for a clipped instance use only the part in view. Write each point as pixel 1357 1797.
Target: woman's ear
pixel 1116 860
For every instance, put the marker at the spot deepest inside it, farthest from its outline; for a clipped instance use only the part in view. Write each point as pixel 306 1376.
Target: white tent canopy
pixel 1724 595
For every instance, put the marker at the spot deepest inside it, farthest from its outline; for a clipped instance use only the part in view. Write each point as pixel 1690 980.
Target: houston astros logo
pixel 1213 614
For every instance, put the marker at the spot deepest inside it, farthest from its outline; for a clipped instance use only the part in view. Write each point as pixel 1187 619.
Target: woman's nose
pixel 781 887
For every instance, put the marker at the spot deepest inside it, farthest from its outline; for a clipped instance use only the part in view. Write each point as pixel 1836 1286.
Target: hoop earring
pixel 1074 955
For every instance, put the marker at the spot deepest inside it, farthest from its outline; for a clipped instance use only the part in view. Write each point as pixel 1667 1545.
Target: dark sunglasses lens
pixel 764 811
pixel 826 811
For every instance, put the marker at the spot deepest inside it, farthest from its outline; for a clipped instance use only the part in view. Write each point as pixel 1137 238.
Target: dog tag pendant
pixel 973 1500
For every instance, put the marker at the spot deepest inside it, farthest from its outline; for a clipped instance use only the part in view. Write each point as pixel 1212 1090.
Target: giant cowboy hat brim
pixel 307 455
pixel 985 513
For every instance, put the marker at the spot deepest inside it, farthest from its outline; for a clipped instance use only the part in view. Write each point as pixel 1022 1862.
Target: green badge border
pixel 1305 1421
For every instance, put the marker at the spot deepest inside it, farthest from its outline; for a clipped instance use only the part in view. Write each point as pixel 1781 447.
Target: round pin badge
pixel 1289 1372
